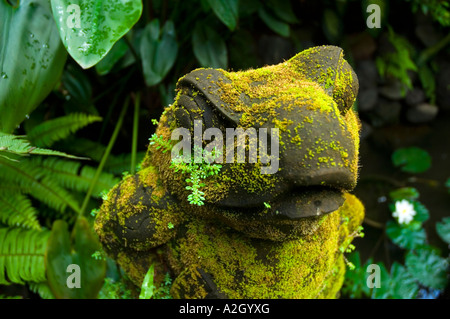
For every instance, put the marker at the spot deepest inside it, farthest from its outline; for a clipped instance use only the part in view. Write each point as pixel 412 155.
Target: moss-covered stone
pixel 258 235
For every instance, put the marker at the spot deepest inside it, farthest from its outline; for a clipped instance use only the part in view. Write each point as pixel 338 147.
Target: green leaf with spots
pixel 412 159
pixel 90 28
pixel 31 59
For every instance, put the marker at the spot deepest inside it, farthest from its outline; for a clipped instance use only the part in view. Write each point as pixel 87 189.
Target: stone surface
pixel 414 97
pixel 422 113
pixel 367 99
pixel 257 235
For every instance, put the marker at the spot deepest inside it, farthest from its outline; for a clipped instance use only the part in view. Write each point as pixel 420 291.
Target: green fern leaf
pixel 41 288
pixel 70 175
pixel 16 210
pixel 120 163
pixel 83 147
pixel 14 146
pixel 48 132
pixel 32 180
pixel 22 255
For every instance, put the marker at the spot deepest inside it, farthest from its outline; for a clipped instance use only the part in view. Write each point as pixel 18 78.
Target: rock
pixel 422 113
pixel 386 113
pixel 415 97
pixel 428 34
pixel 367 99
pixel 443 86
pixel 394 90
pixel 367 74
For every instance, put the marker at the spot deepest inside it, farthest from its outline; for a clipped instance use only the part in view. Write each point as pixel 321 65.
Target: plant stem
pixel 137 103
pixel 105 156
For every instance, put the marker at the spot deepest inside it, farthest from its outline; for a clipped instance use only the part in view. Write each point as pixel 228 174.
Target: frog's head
pixel 309 100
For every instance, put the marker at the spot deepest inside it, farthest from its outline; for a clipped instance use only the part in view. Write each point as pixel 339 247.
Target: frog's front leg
pixel 138 216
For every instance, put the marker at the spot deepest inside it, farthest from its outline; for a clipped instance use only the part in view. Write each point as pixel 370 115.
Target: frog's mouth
pixel 304 202
pixel 299 203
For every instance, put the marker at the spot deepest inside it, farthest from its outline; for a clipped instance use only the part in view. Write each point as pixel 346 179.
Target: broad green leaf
pixel 283 10
pixel 159 50
pixel 31 59
pixel 409 193
pixel 63 250
pixel 427 267
pixel 412 159
pixel 209 47
pixel 114 55
pixel 443 229
pixel 403 284
pixel 227 11
pixel 276 25
pixel 147 287
pixel 89 29
pixel 406 237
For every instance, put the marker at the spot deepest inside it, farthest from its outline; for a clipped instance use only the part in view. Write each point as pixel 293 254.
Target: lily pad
pixel 412 159
pixel 31 59
pixel 89 29
pixel 64 250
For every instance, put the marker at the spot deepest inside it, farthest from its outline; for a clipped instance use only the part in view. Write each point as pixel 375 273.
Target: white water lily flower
pixel 404 211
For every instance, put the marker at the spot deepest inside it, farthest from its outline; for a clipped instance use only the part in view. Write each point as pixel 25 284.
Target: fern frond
pixel 71 175
pixel 16 210
pixel 41 288
pixel 120 163
pixel 22 255
pixel 13 146
pixel 83 147
pixel 48 132
pixel 32 180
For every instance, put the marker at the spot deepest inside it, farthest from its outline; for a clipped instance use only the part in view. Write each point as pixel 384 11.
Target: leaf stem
pixel 105 156
pixel 137 103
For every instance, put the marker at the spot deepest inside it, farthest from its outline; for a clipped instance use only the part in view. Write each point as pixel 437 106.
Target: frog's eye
pixel 326 66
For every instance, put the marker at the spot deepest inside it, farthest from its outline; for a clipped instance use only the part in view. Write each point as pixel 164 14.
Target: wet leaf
pixel 412 159
pixel 105 65
pixel 89 29
pixel 64 250
pixel 31 59
pixel 209 48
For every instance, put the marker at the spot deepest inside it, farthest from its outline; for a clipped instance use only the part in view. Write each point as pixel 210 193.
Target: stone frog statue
pixel 276 235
